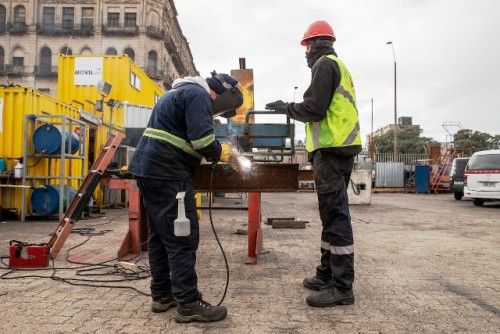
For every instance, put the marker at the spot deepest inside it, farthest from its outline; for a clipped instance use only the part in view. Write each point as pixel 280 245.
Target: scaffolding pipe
pixel 21 186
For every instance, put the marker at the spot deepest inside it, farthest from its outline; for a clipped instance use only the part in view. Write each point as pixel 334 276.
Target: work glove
pixel 225 153
pixel 279 106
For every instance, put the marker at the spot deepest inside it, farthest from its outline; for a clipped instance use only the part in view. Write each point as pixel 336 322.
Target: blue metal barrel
pixel 46 201
pixel 48 139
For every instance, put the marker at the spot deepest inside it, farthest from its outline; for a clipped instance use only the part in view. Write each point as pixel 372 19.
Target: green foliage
pixel 409 141
pixel 478 141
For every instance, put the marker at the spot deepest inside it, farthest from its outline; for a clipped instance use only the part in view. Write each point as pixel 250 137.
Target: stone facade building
pixel 33 33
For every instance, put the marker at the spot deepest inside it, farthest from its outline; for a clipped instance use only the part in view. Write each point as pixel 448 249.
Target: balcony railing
pixel 46 70
pixel 120 29
pixel 154 73
pixel 170 44
pixel 15 69
pixel 17 27
pixel 168 80
pixel 155 32
pixel 178 63
pixel 60 29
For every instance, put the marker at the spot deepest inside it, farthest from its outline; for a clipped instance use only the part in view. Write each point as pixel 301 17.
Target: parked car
pixel 482 177
pixel 457 177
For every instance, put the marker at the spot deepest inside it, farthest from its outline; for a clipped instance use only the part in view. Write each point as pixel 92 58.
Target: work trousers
pixel 172 259
pixel 332 173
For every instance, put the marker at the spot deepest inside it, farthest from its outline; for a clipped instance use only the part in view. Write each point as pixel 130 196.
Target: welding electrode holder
pixel 214 164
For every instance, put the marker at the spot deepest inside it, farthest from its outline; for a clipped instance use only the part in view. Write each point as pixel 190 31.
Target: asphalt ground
pixel 424 264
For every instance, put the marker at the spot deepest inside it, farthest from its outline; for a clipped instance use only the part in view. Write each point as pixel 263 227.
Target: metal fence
pixel 407 159
pixel 386 172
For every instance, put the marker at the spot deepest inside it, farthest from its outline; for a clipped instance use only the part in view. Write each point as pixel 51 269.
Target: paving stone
pixel 424 264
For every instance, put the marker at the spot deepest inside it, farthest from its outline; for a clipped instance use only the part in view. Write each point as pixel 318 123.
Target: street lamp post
pixel 395 106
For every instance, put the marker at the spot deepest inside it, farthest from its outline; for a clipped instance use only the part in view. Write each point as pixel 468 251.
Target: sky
pixel 447 55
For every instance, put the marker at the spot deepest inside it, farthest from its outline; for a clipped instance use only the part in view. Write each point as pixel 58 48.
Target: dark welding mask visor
pixel 225 105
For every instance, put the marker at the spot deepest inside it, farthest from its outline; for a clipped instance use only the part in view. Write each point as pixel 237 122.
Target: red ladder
pixel 81 200
pixel 441 167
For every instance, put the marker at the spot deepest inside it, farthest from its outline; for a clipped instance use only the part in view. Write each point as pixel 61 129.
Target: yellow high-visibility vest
pixel 340 126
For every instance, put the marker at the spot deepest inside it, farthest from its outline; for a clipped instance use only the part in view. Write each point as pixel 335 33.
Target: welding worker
pixel 333 139
pixel 179 134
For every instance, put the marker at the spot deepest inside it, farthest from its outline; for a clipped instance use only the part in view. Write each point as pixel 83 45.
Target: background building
pixel 34 32
pixel 403 122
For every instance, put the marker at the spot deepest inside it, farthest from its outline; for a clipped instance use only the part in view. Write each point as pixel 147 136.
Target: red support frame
pixel 254 228
pixel 137 234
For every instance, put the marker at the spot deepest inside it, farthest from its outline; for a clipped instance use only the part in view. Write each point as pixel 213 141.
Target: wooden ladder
pixel 81 200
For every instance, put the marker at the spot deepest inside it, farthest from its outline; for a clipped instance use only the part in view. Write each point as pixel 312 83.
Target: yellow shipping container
pixel 88 90
pixel 30 118
pixel 97 82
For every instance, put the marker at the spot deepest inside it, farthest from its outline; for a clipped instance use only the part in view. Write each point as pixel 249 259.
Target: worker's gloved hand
pixel 225 153
pixel 279 106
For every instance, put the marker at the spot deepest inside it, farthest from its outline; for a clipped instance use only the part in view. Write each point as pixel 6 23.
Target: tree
pixel 477 141
pixel 409 141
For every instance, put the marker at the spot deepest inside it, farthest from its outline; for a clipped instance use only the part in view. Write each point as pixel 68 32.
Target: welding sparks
pixel 245 163
pixel 237 161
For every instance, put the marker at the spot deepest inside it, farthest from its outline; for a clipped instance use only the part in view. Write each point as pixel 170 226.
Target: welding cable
pixel 85 269
pixel 215 233
pixel 355 189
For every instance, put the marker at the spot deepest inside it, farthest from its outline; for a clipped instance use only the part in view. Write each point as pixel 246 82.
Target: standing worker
pixel 332 140
pixel 179 134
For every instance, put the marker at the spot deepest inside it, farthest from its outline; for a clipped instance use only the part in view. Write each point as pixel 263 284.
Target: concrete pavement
pixel 424 264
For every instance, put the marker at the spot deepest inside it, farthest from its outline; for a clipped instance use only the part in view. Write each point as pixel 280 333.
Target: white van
pixel 482 177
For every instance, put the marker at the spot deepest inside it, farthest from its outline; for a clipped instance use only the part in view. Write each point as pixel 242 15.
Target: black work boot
pixel 331 297
pixel 163 304
pixel 199 310
pixel 317 284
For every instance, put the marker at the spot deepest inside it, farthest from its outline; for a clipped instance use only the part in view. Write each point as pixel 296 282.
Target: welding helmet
pixel 229 94
pixel 318 29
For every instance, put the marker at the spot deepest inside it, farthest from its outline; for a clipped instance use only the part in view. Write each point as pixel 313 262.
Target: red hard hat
pixel 317 29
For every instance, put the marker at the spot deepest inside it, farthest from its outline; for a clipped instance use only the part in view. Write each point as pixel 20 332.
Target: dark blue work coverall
pixel 164 167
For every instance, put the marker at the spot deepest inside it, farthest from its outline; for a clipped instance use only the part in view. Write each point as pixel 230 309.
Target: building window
pixel 135 81
pixel 130 53
pixel 2 59
pixel 87 17
pixel 152 62
pixel 19 15
pixel 130 19
pixel 18 61
pixel 68 18
pixel 113 20
pixel 153 19
pixel 3 18
pixel 49 17
pixel 45 60
pixel 86 51
pixel 18 57
pixel 66 50
pixel 111 52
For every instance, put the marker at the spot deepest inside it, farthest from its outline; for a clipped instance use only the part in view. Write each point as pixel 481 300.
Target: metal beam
pixel 258 178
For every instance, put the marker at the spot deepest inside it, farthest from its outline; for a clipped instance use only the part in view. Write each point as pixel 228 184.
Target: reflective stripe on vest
pixel 340 127
pixel 173 140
